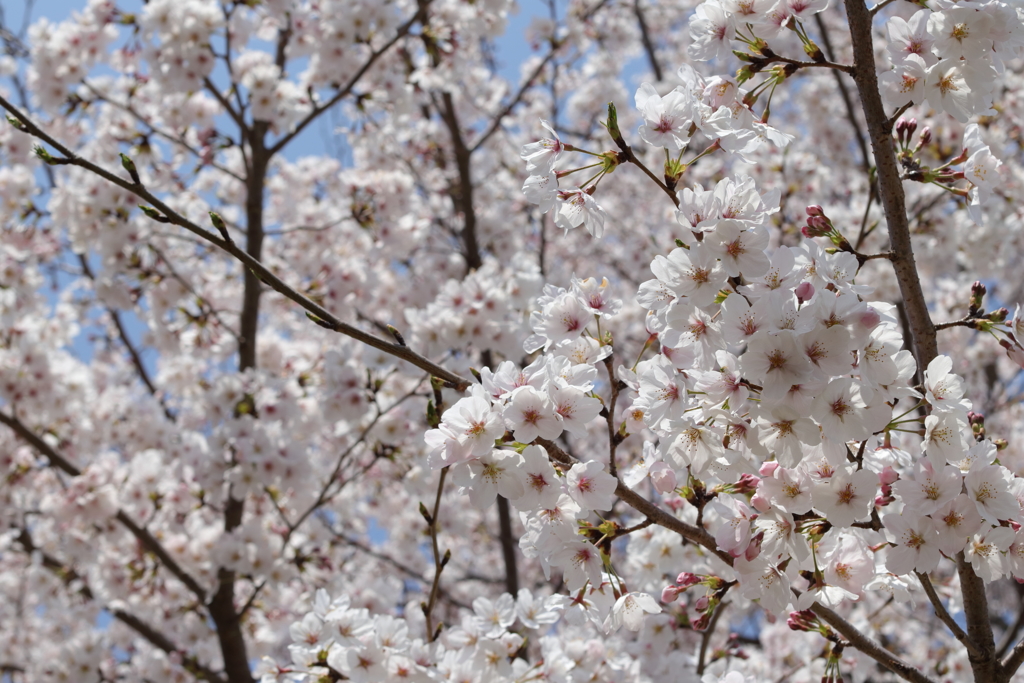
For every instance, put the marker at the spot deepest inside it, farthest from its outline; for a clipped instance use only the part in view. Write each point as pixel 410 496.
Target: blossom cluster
pixel 718 108
pixel 951 56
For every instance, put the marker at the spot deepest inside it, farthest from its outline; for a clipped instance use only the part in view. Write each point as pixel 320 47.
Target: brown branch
pixel 645 38
pixel 462 194
pixel 140 367
pixel 516 99
pixel 943 614
pixel 1013 660
pixel 345 90
pixel 614 438
pixel 869 646
pixel 890 186
pixel 405 569
pixel 321 316
pixel 439 561
pixel 508 546
pixel 1011 632
pixel 145 539
pixel 705 637
pixel 844 94
pixel 633 499
pixel 69 576
pixel 922 330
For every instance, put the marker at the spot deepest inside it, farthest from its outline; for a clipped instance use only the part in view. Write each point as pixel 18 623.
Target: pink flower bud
pixel 911 127
pixel 870 318
pixel 747 484
pixel 663 477
pixel 674 504
pixel 754 547
pixel 1014 351
pixel 815 210
pixel 767 469
pixel 760 503
pixel 670 593
pixel 702 603
pixel 926 136
pixel 819 223
pixel 804 291
pixel 888 476
pixel 687 579
pixel 804 620
pixel 816 227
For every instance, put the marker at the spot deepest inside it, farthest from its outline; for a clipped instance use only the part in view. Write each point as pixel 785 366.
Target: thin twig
pixel 70 577
pixel 146 539
pixel 869 646
pixel 345 90
pixel 943 614
pixel 439 562
pixel 319 315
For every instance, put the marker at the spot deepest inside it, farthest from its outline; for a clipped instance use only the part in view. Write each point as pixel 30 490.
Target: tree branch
pixel 321 316
pixel 68 576
pixel 144 538
pixel 869 646
pixel 633 499
pixel 140 367
pixel 645 38
pixel 345 90
pixel 943 614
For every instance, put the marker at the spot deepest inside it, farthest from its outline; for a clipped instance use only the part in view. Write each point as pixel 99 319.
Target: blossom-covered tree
pixel 387 414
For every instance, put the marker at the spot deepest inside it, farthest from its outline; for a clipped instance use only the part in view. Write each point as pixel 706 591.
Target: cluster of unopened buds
pixel 705 605
pixel 808 621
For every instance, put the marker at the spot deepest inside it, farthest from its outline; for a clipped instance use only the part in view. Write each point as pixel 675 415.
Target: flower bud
pixel 670 593
pixel 999 315
pixel 870 318
pixel 804 620
pixel 817 226
pixel 911 127
pixel 977 422
pixel 760 503
pixel 687 579
pixel 888 476
pixel 978 291
pixel 901 131
pixel 815 210
pixel 926 136
pixel 754 547
pixel 767 469
pixel 804 292
pixel 663 477
pixel 702 603
pixel 1014 351
pixel 747 484
pixel 819 222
